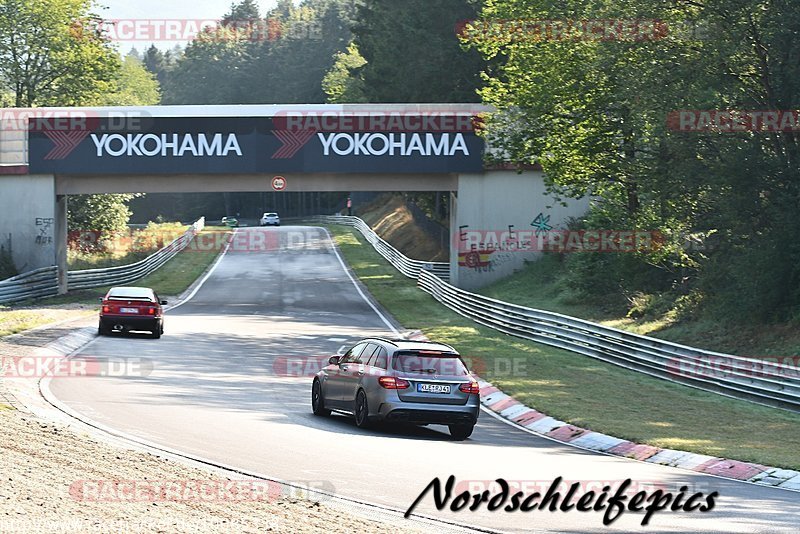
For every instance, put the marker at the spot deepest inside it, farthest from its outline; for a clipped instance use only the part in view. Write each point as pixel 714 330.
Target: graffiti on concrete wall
pixel 541 224
pixel 44 226
pixel 477 260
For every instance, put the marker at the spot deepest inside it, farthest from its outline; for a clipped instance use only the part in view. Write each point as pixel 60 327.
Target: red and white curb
pixel 510 409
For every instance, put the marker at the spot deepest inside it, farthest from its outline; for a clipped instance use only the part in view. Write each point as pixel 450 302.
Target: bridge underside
pixel 485 207
pixel 215 183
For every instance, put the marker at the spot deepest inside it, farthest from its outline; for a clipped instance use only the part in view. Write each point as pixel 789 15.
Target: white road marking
pixel 206 277
pixel 350 276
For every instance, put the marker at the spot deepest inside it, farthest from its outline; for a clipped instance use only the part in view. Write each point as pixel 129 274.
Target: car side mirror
pixel 334 360
pixel 163 302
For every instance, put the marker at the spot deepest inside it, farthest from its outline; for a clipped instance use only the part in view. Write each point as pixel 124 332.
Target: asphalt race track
pixel 220 389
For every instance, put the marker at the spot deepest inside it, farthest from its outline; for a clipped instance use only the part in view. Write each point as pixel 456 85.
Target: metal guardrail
pixel 44 282
pixel 39 283
pixel 772 383
pixel 404 264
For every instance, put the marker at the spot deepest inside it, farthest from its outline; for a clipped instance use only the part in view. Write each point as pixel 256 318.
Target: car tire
pixel 461 432
pixel 157 332
pixel 102 330
pixel 362 410
pixel 318 400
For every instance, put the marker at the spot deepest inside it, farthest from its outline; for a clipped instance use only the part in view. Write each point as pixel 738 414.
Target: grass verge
pixel 126 249
pixel 173 278
pixel 583 391
pixel 541 284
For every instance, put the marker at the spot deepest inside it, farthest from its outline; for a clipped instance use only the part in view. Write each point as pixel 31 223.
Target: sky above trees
pixel 172 9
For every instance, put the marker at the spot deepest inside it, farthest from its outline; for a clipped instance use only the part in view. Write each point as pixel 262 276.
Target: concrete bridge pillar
pixel 61 242
pixel 495 217
pixel 28 219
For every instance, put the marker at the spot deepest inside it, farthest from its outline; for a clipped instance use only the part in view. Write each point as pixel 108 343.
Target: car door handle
pixel 344 368
pixel 361 373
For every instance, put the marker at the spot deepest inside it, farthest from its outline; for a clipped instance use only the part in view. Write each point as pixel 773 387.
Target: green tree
pixel 211 71
pixel 343 83
pixel 106 214
pixel 413 53
pixel 52 53
pixel 135 86
pixel 594 114
pixel 159 63
pixel 246 10
pixel 283 60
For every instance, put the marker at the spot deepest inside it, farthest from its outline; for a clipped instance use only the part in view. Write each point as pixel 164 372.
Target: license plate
pixel 129 310
pixel 433 388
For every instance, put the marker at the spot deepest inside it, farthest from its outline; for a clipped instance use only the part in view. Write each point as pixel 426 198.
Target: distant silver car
pixel 270 219
pixel 399 380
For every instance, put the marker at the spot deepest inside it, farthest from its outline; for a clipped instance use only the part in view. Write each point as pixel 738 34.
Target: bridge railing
pixel 769 381
pixel 407 266
pixel 44 282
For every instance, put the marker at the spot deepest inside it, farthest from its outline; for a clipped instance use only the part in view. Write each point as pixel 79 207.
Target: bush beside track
pixel 582 391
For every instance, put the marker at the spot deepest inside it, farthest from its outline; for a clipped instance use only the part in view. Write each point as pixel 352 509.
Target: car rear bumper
pixel 133 323
pixel 430 413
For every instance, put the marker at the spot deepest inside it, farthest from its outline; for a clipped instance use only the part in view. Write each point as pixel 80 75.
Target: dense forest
pixel 597 114
pixel 314 52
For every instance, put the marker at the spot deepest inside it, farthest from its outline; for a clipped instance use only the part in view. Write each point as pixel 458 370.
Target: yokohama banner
pixel 299 143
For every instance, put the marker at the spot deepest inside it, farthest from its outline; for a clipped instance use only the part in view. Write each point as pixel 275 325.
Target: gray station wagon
pixel 397 380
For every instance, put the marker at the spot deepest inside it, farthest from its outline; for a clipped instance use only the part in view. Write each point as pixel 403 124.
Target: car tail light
pixel 151 311
pixel 106 308
pixel 472 388
pixel 390 382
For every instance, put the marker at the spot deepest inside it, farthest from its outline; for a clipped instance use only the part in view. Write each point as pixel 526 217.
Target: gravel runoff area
pixel 54 479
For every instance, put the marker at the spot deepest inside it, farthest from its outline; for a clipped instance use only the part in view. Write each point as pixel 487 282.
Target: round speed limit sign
pixel 279 183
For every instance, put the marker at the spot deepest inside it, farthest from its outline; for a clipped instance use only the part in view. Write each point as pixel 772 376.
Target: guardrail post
pixel 61 243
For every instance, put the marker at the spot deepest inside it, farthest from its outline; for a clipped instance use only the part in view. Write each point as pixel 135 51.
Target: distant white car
pixel 270 219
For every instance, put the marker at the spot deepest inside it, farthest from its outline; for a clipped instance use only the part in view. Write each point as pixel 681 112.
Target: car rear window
pixel 427 363
pixel 131 293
